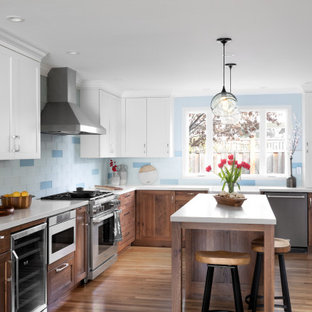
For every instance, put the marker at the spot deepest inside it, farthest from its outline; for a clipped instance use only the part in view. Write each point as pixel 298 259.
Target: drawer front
pixel 127 215
pixel 127 199
pixel 182 197
pixel 4 241
pixel 61 279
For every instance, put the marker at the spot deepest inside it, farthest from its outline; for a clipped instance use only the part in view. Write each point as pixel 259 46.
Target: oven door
pixel 102 239
pixel 62 240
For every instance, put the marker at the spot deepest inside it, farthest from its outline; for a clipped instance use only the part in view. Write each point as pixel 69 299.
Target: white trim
pixel 13 43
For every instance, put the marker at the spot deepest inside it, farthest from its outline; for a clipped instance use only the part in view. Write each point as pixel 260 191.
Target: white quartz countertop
pixel 204 208
pixel 212 188
pixel 39 209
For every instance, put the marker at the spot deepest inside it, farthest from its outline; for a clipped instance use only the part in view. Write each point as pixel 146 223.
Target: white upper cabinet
pixel 148 127
pixel 105 108
pixel 135 127
pixel 20 106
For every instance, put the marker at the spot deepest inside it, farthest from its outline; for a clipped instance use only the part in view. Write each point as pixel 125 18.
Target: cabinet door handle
pixel 286 197
pixel 16 145
pixel 126 213
pixel 191 194
pixel 2 237
pixel 61 267
pixel 127 195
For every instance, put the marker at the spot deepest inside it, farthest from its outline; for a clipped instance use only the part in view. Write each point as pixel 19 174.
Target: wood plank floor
pixel 140 281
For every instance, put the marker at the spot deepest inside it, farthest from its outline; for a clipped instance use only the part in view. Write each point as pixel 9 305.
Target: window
pixel 258 137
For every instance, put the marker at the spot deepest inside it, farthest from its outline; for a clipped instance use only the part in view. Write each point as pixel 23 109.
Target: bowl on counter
pixel 20 202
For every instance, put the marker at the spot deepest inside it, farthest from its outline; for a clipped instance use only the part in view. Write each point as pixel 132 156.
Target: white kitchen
pixel 155 155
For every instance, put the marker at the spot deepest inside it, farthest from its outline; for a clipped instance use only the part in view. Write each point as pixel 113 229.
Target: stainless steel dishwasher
pixel 291 212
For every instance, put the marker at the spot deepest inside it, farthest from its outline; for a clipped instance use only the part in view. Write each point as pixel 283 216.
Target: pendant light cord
pixel 223 64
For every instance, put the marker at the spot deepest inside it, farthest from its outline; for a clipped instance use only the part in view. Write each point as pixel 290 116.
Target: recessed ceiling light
pixel 71 52
pixel 15 19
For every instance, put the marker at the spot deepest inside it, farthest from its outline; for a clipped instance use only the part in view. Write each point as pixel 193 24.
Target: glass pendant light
pixel 235 117
pixel 223 104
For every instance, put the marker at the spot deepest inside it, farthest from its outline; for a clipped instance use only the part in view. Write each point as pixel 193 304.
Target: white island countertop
pixel 204 208
pixel 39 209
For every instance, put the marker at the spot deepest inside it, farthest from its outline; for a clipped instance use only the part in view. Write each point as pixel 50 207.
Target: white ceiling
pixel 170 45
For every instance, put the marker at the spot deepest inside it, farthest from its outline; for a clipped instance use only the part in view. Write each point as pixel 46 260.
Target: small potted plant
pixel 230 172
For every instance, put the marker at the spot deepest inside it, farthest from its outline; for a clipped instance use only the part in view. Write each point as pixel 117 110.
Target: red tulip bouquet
pixel 230 172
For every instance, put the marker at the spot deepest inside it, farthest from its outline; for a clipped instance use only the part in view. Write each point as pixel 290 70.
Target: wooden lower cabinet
pixel 127 220
pixel 81 253
pixel 5 281
pixel 61 277
pixel 182 197
pixel 153 211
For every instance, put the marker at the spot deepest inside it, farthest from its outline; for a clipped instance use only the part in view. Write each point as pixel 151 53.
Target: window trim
pixel 209 133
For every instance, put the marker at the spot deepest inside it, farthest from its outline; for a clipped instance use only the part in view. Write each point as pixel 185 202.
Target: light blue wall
pixel 170 169
pixel 59 169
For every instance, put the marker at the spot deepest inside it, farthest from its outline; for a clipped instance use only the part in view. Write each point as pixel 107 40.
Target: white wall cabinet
pixel 147 127
pixel 105 108
pixel 20 106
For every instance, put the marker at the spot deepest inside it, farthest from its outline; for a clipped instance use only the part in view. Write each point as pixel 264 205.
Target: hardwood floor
pixel 140 281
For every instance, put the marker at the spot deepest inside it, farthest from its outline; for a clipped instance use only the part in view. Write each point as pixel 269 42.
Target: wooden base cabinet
pixel 153 211
pixel 61 277
pixel 81 253
pixel 127 220
pixel 5 281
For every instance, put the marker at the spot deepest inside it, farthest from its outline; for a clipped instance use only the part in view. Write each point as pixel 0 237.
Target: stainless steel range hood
pixel 61 115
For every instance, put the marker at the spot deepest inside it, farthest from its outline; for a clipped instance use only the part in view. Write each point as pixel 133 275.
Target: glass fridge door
pixel 29 265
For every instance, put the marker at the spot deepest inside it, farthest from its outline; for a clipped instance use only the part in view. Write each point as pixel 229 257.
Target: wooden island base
pixel 222 283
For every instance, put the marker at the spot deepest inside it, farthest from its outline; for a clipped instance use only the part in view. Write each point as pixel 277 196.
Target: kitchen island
pixel 203 213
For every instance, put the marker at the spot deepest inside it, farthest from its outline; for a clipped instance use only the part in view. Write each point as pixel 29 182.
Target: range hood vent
pixel 61 115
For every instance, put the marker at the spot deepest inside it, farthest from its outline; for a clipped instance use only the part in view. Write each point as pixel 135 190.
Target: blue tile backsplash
pixel 27 162
pixel 57 153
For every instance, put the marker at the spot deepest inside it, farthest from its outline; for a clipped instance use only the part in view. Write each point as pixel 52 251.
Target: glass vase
pixel 230 187
pixel 291 181
pixel 115 180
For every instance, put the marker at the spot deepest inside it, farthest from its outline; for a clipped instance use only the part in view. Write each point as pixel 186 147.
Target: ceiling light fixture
pixel 15 19
pixel 72 52
pixel 223 104
pixel 234 118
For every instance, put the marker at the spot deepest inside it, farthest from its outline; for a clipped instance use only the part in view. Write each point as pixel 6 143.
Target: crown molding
pixel 13 43
pixel 99 84
pixel 44 69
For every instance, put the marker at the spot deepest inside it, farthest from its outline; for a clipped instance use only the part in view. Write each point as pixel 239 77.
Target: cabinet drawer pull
pixel 127 195
pixel 2 237
pixel 191 193
pixel 127 234
pixel 62 267
pixel 128 212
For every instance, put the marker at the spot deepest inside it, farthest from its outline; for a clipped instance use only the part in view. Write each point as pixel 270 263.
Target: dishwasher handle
pixel 288 197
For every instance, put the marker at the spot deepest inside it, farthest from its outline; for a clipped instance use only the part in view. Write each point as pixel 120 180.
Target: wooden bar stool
pixel 281 246
pixel 227 259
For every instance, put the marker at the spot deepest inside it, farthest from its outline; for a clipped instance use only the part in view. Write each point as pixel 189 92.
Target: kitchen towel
pixel 117 227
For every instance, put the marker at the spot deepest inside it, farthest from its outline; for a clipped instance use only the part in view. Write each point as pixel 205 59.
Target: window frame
pixel 209 144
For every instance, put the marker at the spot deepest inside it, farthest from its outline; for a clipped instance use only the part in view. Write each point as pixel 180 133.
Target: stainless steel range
pixel 103 227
